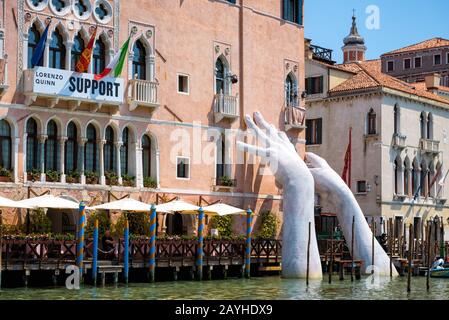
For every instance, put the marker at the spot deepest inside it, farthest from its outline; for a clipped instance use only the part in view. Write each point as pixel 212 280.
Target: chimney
pixel 433 81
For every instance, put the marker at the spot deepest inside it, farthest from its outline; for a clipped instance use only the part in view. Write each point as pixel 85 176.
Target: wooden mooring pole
pixel 429 234
pixel 410 255
pixel 352 249
pixel 308 254
pixel 391 242
pixel 331 262
pixel 372 244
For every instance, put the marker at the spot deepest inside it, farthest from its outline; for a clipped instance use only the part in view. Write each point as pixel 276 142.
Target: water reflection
pixel 269 288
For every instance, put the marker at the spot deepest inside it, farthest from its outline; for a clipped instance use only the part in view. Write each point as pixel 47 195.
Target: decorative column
pixel 102 177
pixel 118 163
pixel 24 157
pixel 150 60
pixel 68 56
pixel 42 139
pixel 410 187
pixel 81 145
pixel 16 160
pixel 158 153
pixel 62 141
pixel 138 165
pixel 46 60
pixel 401 182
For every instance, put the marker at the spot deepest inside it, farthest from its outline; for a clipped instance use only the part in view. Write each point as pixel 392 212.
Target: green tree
pixel 104 223
pixel 268 226
pixel 223 224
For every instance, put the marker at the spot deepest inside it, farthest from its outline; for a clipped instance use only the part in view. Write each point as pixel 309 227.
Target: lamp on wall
pixel 233 77
pixel 304 94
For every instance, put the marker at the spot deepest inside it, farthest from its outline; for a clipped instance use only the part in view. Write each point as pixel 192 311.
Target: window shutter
pixel 308 131
pixel 285 9
pixel 321 88
pixel 299 18
pixel 319 127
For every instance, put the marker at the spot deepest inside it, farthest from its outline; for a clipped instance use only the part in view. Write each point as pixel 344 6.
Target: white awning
pixel 223 209
pixel 7 203
pixel 126 204
pixel 177 206
pixel 50 202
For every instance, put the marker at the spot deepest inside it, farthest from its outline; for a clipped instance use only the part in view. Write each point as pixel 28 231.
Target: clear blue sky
pixel 402 22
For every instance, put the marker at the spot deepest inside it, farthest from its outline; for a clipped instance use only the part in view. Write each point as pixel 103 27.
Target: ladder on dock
pixel 106 267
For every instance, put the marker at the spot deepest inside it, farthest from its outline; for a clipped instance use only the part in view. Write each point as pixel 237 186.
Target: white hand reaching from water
pixel 298 198
pixel 327 181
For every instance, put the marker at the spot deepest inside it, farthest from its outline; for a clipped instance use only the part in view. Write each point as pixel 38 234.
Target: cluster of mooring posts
pixel 200 259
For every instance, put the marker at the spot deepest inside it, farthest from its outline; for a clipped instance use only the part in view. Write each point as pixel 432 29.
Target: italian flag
pixel 116 65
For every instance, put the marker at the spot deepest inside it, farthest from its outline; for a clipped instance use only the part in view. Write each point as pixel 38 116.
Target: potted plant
pixel 5 175
pixel 111 178
pixel 34 175
pixel 52 176
pixel 225 181
pixel 91 177
pixel 149 182
pixel 128 181
pixel 73 177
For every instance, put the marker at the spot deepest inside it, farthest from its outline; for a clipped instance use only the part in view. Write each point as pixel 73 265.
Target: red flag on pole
pixel 346 176
pixel 83 63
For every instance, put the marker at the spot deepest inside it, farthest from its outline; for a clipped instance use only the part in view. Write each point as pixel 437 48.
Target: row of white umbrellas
pixel 126 204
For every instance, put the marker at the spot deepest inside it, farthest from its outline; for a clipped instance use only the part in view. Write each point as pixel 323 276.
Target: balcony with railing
pixel 225 107
pixel 429 146
pixel 52 88
pixel 295 117
pixel 143 93
pixel 399 141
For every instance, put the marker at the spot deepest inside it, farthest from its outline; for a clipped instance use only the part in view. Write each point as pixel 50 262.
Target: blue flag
pixel 38 54
pixel 417 193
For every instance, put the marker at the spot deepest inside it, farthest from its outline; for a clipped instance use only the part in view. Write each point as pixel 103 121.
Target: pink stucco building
pixel 194 67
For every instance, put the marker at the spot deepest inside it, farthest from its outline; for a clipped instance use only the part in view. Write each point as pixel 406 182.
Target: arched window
pixel 422 121
pixel 406 176
pixel 33 39
pixel 430 175
pixel 124 151
pixel 423 180
pixel 146 156
pixel 291 91
pixel 415 177
pixel 430 126
pixel 77 50
pixel 5 145
pixel 371 122
pixel 99 57
pixel 32 150
pixel 221 85
pixel 57 51
pixel 109 150
pixel 51 147
pixel 397 119
pixel 71 148
pixel 139 61
pixel 221 158
pixel 90 151
pixel 397 172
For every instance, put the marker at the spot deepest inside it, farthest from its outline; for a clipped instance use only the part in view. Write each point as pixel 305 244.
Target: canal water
pixel 266 288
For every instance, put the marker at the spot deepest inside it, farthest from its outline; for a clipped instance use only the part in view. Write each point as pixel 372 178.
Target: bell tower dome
pixel 354 45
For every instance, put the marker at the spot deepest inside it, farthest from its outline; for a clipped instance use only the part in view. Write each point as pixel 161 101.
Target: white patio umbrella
pixel 50 202
pixel 177 206
pixel 126 204
pixel 7 203
pixel 223 209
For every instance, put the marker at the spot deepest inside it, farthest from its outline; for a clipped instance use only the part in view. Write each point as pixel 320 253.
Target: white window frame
pixel 441 59
pixel 403 64
pixel 357 184
pixel 188 171
pixel 414 62
pixel 178 75
pixel 392 70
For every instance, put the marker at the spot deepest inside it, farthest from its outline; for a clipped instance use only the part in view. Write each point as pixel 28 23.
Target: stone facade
pixel 186 38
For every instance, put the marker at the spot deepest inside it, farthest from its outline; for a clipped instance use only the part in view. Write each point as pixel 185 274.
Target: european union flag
pixel 38 54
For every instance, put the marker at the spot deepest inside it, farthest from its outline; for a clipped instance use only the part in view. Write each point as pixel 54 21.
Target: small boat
pixel 439 273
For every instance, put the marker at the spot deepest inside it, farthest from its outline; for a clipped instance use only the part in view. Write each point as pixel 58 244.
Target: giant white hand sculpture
pixel 298 198
pixel 327 181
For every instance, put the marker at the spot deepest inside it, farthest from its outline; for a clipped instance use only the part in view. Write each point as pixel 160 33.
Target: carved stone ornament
pixel 217 48
pixel 149 33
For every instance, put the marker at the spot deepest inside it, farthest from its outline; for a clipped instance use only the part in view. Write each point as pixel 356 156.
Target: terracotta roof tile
pixel 370 76
pixel 427 44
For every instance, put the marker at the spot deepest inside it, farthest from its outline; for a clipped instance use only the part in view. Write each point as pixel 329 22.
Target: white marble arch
pixel 150 60
pixel 155 159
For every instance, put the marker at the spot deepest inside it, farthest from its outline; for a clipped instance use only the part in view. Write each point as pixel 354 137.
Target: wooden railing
pixel 40 252
pixel 226 105
pixel 143 92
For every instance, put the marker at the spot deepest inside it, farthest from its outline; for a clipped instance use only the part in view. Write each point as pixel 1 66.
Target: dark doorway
pixel 174 224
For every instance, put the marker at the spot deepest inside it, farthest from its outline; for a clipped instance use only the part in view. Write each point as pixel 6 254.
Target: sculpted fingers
pixel 258 151
pixel 250 123
pixel 316 161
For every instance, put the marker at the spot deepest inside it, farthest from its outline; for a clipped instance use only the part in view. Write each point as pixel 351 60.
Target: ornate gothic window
pixel 77 50
pixel 32 148
pixel 109 150
pixel 139 61
pixel 124 152
pixel 99 57
pixel 5 145
pixel 57 51
pixel 33 39
pixel 51 147
pixel 90 149
pixel 71 148
pixel 146 156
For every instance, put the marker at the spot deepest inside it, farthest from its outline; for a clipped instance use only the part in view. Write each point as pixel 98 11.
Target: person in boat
pixel 438 264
